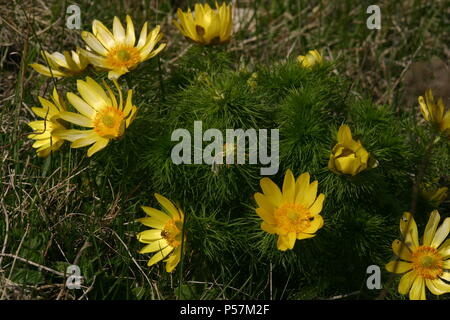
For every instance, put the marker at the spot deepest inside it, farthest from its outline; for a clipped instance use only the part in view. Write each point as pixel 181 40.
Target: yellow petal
pixel 286 242
pixel 417 291
pixel 291 237
pixel 157 214
pixel 437 286
pixel 95 59
pixel 424 109
pixel 348 165
pixel 149 236
pixel 266 216
pixel 268 228
pixel 102 33
pixel 128 104
pixel 445 276
pixel 72 134
pixel 91 94
pixel 142 37
pixel 310 195
pixel 111 95
pixel 155 246
pixel 99 145
pixel 82 107
pixel 41 112
pixel 263 202
pixel 316 208
pixel 85 141
pixel 39 125
pixel 44 153
pixel 93 43
pixel 441 233
pixel 289 187
pixel 147 52
pixel 444 249
pixel 316 224
pixel 98 90
pixel 77 119
pixel 131 116
pixel 168 205
pixel 41 143
pixel 401 250
pixel 130 37
pixel 408 227
pixel 301 187
pixel 59 59
pixel 173 260
pixel 152 222
pixel 445 125
pixel 344 135
pixel 301 236
pixel 406 282
pixel 70 63
pixel 160 255
pixel 271 191
pixel 431 227
pixel 47 72
pixel 397 266
pixel 446 264
pixel 116 73
pixel 52 109
pixel 118 30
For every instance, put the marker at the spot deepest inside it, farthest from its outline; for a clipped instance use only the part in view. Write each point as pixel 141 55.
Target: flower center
pixel 292 217
pixel 172 232
pixel 109 123
pixel 427 262
pixel 123 56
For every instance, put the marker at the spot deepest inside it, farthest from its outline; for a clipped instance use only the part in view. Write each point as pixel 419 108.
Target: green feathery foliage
pixel 224 240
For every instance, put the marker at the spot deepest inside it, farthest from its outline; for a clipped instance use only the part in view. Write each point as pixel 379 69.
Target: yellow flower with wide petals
pixel 311 59
pixel 99 111
pixel 118 51
pixel 60 65
pixel 167 233
pixel 435 112
pixel 348 156
pixel 292 213
pixel 44 130
pixel 205 25
pixel 425 265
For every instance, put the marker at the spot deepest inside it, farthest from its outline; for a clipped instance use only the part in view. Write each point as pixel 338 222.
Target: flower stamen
pixel 123 56
pixel 109 123
pixel 172 232
pixel 427 262
pixel 292 217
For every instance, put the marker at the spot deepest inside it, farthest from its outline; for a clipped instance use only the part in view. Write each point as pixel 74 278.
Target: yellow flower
pixel 293 213
pixel 434 195
pixel 425 265
pixel 252 81
pixel 166 235
pixel 434 112
pixel 311 59
pixel 118 51
pixel 348 156
pixel 99 111
pixel 205 25
pixel 64 64
pixel 44 130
